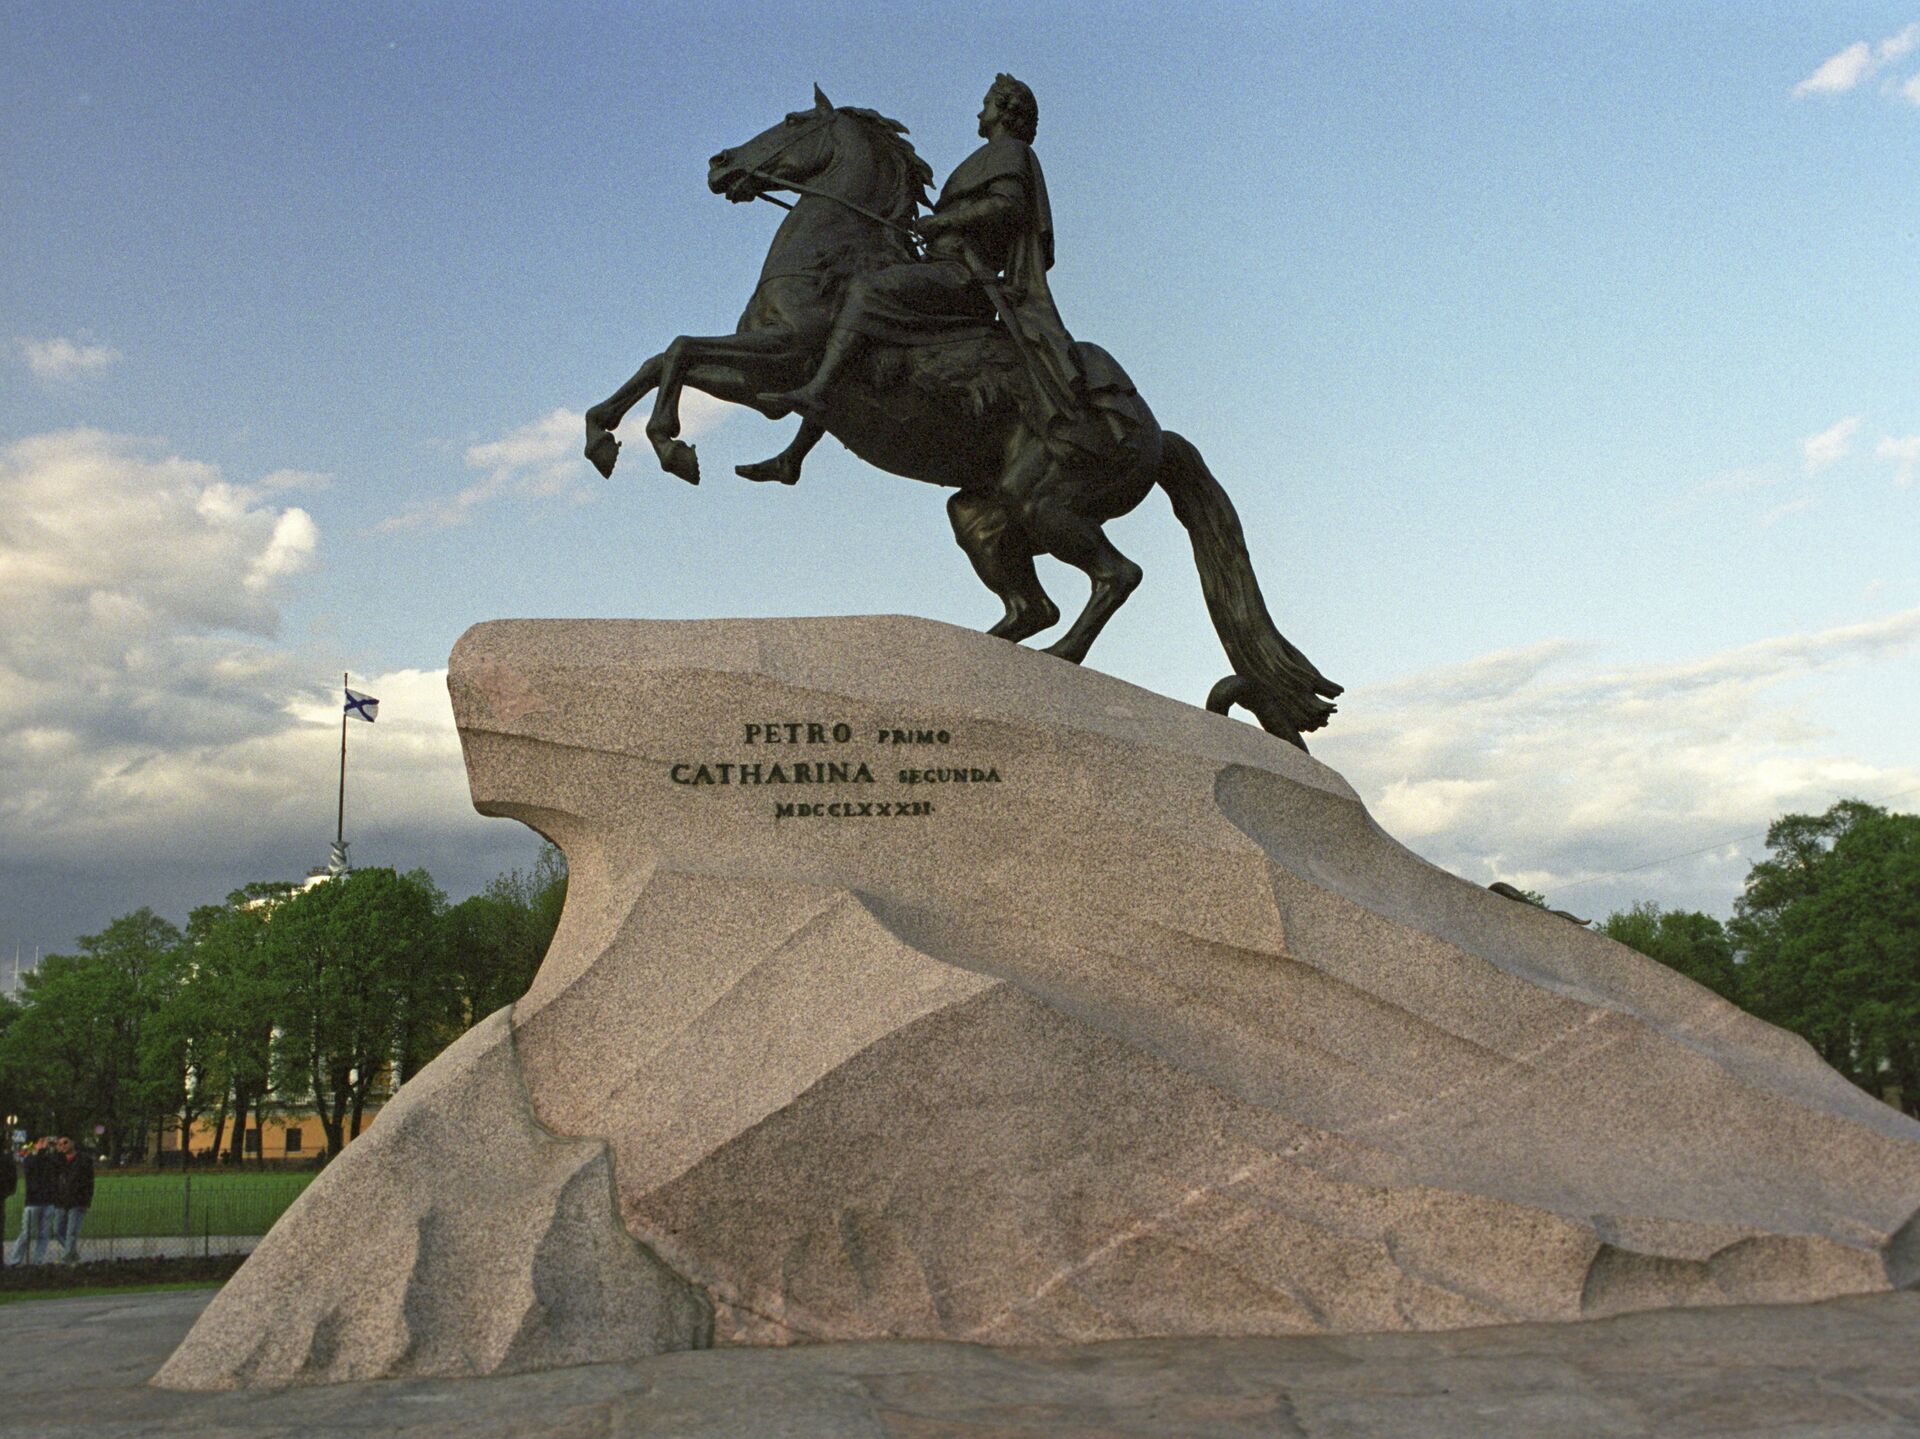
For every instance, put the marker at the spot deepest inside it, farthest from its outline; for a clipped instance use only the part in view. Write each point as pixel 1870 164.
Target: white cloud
pixel 1548 772
pixel 1733 482
pixel 1910 90
pixel 158 743
pixel 543 460
pixel 92 522
pixel 281 480
pixel 1896 46
pixel 141 591
pixel 1905 453
pixel 1830 446
pixel 58 358
pixel 1842 71
pixel 1781 511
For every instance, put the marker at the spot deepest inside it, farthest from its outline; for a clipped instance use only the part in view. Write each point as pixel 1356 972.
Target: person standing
pixel 74 1196
pixel 37 1211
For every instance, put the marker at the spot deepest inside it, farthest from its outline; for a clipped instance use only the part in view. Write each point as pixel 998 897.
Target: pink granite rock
pixel 916 984
pixel 1143 1027
pixel 453 1237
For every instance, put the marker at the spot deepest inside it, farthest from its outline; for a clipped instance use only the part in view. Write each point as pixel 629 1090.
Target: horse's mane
pixel 912 174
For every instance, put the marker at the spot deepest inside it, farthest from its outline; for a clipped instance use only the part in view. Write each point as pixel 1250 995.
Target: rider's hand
pixel 927 226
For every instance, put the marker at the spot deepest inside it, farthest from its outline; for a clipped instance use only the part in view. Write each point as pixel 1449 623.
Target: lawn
pixel 126 1205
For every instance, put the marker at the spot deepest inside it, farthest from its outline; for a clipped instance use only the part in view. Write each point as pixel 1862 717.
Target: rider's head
pixel 1019 111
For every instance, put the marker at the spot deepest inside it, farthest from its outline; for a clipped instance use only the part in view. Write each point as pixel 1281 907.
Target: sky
pixel 1561 360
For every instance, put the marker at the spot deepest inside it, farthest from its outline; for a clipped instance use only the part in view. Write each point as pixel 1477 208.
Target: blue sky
pixel 1561 360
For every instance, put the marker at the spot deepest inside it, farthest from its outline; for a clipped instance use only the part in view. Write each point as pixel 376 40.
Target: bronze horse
pixel 950 415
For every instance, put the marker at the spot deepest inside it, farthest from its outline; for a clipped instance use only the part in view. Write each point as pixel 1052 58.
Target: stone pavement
pixel 1843 1369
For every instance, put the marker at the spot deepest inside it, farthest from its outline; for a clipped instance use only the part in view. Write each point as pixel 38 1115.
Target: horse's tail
pixel 1271 678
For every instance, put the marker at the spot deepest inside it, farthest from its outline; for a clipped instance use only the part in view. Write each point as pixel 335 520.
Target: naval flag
pixel 362 706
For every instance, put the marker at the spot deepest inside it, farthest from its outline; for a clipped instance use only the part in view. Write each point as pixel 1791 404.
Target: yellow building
pixel 278 1136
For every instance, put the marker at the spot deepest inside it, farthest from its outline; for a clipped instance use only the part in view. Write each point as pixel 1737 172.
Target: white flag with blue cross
pixel 362 706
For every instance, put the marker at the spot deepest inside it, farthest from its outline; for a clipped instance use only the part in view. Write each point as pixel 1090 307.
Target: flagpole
pixel 340 824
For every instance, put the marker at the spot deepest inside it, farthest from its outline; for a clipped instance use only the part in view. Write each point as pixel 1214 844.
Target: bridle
pixel 804 189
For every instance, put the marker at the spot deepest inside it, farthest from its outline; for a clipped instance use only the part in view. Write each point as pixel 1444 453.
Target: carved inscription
pixel 828 761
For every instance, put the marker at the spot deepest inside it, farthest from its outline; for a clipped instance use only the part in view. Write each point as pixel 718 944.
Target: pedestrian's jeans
pixel 37 1225
pixel 67 1231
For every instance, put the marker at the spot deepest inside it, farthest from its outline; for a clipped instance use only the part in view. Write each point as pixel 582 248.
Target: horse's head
pixel 796 149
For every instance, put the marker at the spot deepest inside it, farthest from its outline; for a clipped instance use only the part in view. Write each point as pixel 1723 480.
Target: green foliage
pixel 314 999
pixel 353 963
pixel 496 940
pixel 1695 944
pixel 213 1035
pixel 75 1052
pixel 1829 934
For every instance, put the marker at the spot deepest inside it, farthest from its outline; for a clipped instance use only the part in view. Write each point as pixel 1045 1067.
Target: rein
pixel 761 174
pixel 859 210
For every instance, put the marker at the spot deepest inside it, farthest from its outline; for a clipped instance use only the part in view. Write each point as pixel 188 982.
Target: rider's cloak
pixel 1024 256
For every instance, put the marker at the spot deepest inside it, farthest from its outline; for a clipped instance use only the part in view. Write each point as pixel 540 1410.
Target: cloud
pixel 1541 769
pixel 1896 46
pixel 159 744
pixel 1910 90
pixel 1905 453
pixel 541 460
pixel 281 480
pixel 1842 71
pixel 1838 73
pixel 1830 446
pixel 1733 482
pixel 92 522
pixel 59 358
pixel 1781 511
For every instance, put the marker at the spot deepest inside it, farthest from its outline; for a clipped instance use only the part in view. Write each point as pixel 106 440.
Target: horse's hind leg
pixel 1004 561
pixel 1068 535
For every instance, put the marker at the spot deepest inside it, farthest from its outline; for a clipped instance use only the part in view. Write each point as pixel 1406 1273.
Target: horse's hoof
pixel 1024 624
pixel 775 470
pixel 677 458
pixel 604 450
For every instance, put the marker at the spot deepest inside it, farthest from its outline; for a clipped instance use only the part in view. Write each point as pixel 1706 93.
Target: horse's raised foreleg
pixel 723 360
pixel 604 418
pixel 1003 559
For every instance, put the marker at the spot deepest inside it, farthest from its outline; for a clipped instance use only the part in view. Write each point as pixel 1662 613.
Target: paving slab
pixel 1842 1369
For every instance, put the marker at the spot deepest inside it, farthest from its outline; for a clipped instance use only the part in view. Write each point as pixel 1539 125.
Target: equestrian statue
pixel 930 346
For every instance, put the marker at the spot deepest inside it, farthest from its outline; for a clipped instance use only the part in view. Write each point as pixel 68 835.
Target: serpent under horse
pixel 950 415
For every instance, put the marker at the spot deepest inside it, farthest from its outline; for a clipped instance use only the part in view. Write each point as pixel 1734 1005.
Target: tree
pixel 1829 936
pixel 213 1033
pixel 1696 944
pixel 77 1043
pixel 494 942
pixel 353 962
pixel 17 1087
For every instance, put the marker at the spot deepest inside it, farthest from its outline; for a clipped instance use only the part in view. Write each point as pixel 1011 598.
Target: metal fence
pixel 169 1215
